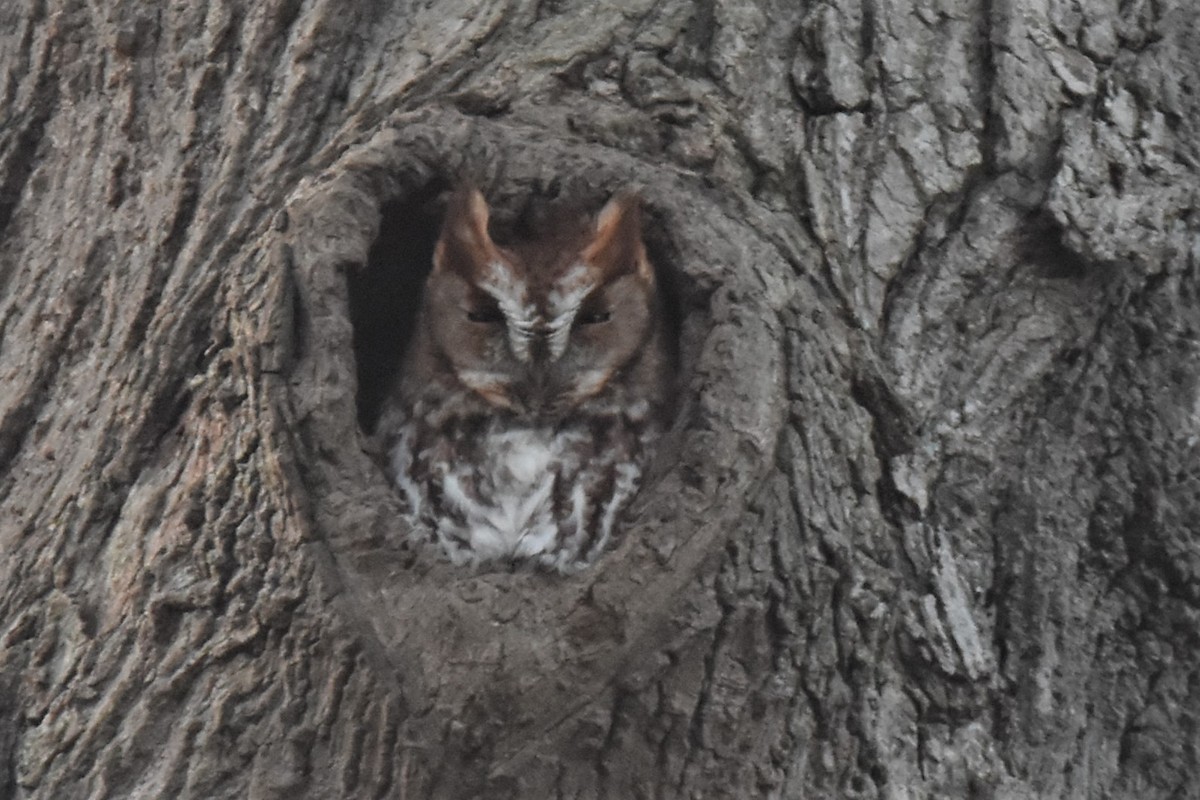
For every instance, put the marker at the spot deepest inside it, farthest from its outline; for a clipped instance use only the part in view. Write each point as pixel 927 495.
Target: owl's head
pixel 541 326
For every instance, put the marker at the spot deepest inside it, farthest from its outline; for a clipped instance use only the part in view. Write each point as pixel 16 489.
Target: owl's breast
pixel 505 491
pixel 506 502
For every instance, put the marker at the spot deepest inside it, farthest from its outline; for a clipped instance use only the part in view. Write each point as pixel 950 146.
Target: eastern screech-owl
pixel 533 386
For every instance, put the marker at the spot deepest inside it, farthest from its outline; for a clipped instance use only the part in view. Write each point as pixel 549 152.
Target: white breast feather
pixel 402 462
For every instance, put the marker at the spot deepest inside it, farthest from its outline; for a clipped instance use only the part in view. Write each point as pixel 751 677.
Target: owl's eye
pixel 486 315
pixel 594 317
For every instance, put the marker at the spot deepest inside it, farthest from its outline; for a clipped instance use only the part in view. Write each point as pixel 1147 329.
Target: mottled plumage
pixel 532 390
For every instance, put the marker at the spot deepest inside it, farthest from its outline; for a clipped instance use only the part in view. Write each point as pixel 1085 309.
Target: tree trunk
pixel 928 524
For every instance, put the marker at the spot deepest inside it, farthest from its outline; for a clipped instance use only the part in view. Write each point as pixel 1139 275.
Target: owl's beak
pixel 532 393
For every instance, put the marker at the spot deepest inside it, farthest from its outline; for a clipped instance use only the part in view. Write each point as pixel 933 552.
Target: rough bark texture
pixel 927 525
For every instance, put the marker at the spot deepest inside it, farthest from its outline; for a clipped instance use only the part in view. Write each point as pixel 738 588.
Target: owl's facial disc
pixel 540 327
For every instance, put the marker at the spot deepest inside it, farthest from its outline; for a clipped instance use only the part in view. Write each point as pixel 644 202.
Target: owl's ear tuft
pixel 616 247
pixel 464 245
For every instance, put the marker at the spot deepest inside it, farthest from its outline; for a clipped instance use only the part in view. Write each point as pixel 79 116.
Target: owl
pixel 532 389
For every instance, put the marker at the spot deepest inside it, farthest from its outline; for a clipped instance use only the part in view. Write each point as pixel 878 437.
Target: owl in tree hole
pixel 533 387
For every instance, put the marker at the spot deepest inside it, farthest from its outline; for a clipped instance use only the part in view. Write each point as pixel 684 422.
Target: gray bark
pixel 927 526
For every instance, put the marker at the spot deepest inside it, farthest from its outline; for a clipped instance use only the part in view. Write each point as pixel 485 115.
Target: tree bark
pixel 927 526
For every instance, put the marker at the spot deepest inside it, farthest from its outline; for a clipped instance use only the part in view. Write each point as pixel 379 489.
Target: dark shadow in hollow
pixel 385 295
pixel 677 296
